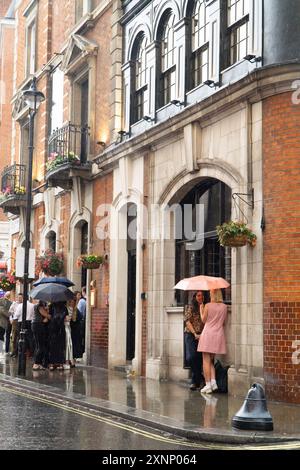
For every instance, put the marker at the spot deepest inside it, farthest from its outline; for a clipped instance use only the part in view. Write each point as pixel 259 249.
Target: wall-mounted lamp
pixel 148 119
pixel 178 103
pixel 252 58
pixel 211 83
pixel 123 133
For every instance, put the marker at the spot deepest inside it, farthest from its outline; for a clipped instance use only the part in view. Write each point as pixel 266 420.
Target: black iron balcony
pixel 67 156
pixel 13 191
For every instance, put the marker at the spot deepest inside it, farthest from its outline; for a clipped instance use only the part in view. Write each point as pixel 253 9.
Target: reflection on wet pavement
pixel 163 398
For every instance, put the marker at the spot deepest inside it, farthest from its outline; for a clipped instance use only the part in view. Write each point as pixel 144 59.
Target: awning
pixel 3 265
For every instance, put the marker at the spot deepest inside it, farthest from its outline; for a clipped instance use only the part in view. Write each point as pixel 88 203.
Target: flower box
pixel 90 261
pixel 235 234
pixel 51 263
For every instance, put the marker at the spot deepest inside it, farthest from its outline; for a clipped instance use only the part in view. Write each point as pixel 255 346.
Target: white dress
pixel 69 346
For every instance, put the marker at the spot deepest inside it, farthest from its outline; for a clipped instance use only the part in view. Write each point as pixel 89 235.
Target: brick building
pixel 66 46
pixel 7 31
pixel 166 104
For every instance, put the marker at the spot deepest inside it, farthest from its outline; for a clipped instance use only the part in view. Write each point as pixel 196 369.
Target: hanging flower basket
pixel 89 261
pixel 235 234
pixel 7 282
pixel 51 263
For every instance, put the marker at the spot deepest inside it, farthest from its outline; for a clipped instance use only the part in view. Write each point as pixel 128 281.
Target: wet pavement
pixel 165 405
pixel 47 427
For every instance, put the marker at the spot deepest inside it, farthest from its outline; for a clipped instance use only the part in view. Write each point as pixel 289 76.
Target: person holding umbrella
pixel 57 294
pixel 193 330
pixel 212 340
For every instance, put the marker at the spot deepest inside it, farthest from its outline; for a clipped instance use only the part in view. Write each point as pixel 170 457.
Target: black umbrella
pixel 58 280
pixel 51 292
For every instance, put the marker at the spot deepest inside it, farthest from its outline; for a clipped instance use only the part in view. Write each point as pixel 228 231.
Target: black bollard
pixel 254 414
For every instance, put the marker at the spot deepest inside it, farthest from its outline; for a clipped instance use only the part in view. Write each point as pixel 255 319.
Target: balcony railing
pixel 13 178
pixel 69 140
pixel 68 151
pixel 13 188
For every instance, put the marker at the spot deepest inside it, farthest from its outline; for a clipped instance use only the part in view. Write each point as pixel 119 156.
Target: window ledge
pixel 236 64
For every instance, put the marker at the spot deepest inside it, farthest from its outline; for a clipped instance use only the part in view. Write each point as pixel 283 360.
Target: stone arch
pixel 53 227
pixel 138 30
pixel 119 288
pixel 167 5
pixel 76 222
pixel 187 7
pixel 186 180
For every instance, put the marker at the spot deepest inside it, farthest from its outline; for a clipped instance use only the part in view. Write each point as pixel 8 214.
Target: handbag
pixel 221 377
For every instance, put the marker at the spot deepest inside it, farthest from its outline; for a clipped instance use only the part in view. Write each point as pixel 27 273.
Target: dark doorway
pixel 84 119
pixel 52 240
pixel 84 250
pixel 131 286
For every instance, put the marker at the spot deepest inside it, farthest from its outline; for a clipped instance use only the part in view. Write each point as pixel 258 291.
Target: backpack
pixel 221 377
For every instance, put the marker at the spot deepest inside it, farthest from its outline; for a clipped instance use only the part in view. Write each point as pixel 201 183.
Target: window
pixel 82 7
pixel 31 48
pixel 200 45
pixel 139 80
pixel 211 259
pixel 24 143
pixel 51 237
pixel 167 62
pixel 238 27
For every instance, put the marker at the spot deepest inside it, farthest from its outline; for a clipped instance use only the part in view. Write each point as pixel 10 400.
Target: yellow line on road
pixel 149 435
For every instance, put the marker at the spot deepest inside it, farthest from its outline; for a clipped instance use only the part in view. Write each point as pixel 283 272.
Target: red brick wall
pixel 103 194
pixel 4 5
pixel 6 72
pixel 281 172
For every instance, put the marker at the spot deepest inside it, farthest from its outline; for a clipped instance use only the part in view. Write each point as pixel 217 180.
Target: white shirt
pixel 13 309
pixel 29 313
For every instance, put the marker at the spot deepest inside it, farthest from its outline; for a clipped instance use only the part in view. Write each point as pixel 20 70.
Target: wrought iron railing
pixel 70 143
pixel 13 179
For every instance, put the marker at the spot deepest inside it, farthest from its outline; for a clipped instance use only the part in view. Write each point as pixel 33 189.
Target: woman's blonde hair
pixel 216 295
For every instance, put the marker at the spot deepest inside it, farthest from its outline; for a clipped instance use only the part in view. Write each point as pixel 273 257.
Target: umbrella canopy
pixel 51 292
pixel 58 280
pixel 202 283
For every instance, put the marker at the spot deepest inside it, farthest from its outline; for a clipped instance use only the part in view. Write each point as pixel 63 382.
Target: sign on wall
pixel 20 257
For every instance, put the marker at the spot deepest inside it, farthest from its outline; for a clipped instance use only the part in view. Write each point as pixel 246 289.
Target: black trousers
pixel 41 351
pixel 193 358
pixel 7 337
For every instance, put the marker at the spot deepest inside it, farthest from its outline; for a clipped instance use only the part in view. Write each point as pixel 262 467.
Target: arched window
pixel 167 60
pixel 197 248
pixel 51 237
pixel 139 79
pixel 199 44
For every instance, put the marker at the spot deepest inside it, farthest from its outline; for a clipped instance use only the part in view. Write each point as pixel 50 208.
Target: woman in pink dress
pixel 212 339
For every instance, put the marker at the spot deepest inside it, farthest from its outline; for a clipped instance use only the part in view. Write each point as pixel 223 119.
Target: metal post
pixel 22 340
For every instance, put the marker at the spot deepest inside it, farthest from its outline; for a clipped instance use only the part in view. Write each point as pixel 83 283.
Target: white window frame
pixel 57 95
pixel 31 45
pixel 242 17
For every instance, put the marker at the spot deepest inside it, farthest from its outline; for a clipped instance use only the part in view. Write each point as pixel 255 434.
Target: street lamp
pixel 33 98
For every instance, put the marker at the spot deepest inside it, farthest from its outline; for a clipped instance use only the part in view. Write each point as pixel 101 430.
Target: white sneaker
pixel 206 389
pixel 214 387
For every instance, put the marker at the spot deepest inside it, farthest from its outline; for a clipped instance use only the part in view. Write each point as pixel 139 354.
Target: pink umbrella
pixel 202 283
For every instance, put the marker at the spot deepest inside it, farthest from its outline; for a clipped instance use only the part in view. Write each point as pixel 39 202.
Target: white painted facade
pixel 221 140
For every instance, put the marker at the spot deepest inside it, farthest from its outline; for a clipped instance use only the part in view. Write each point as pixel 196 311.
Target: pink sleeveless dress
pixel 212 339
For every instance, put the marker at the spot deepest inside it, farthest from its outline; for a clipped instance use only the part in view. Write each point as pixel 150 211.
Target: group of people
pixel 55 332
pixel 204 338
